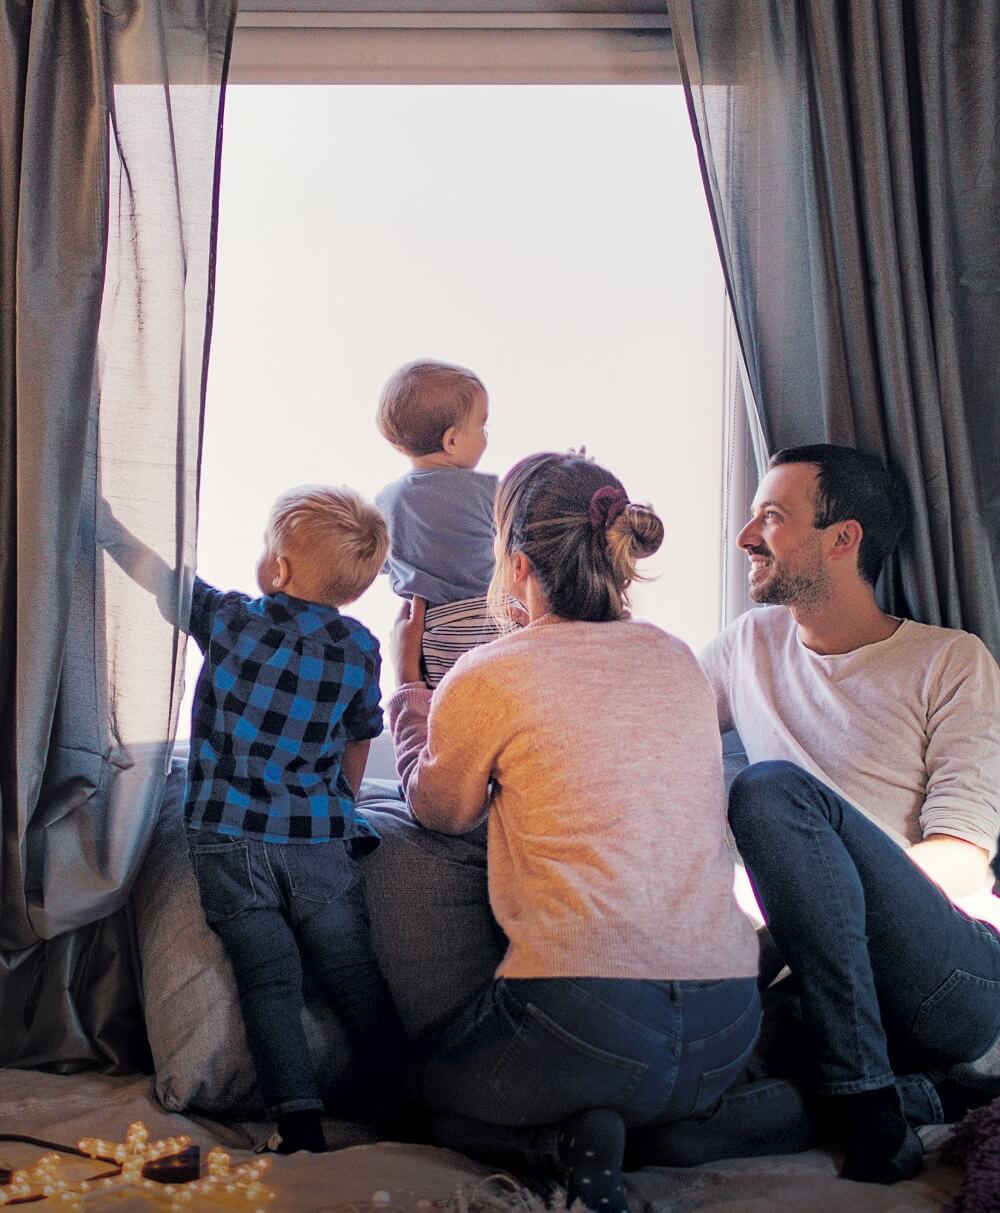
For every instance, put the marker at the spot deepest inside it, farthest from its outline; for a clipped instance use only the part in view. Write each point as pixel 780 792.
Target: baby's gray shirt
pixel 441 527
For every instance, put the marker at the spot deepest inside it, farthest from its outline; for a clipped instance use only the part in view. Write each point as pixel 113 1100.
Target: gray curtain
pixel 110 130
pixel 851 157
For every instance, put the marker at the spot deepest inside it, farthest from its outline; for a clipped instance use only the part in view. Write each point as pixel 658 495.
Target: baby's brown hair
pixel 424 399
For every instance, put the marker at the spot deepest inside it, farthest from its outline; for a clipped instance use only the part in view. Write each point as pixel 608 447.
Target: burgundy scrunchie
pixel 607 504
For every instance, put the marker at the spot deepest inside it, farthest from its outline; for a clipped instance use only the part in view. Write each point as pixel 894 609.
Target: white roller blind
pixel 453 42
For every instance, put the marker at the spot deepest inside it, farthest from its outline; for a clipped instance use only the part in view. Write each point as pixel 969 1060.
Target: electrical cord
pixel 47 1145
pixel 7 1173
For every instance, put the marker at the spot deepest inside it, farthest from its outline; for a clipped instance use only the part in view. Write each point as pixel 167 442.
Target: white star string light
pixel 223 1185
pixel 44 1180
pixel 135 1151
pixel 239 1187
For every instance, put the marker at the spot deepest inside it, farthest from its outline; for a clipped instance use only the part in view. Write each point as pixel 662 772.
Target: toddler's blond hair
pixel 336 540
pixel 424 399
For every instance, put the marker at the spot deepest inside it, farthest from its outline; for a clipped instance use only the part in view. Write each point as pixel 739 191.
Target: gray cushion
pixel 435 937
pixel 431 926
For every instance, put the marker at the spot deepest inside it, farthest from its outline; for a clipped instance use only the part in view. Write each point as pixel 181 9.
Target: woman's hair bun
pixel 646 528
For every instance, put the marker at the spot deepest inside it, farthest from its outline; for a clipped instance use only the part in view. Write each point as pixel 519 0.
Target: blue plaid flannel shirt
pixel 284 686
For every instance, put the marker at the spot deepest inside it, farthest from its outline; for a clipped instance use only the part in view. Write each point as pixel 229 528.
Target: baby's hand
pixel 405 640
pixel 581 451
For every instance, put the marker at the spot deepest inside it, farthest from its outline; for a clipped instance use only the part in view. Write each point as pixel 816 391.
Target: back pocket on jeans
pixel 225 885
pixel 319 872
pixel 960 1019
pixel 741 1034
pixel 546 1073
pixel 713 1084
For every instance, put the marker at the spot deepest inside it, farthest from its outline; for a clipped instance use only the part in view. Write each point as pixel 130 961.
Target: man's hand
pixel 957 867
pixel 405 639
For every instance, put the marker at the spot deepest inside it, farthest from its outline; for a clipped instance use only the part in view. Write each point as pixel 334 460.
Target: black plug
pixel 174 1168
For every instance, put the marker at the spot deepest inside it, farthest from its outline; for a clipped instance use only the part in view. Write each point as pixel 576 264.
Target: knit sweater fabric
pixel 594 749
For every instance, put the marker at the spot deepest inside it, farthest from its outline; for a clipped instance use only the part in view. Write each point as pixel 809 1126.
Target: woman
pixel 627 995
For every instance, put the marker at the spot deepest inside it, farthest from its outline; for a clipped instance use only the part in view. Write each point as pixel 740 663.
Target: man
pixel 871 807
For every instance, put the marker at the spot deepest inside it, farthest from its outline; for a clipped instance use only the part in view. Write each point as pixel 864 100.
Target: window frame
pixel 453 42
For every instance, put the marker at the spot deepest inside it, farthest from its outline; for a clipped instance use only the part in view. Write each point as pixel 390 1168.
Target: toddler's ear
pixel 283 575
pixel 449 440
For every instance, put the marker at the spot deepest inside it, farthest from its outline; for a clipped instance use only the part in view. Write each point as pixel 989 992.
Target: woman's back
pixel 607 848
pixel 628 993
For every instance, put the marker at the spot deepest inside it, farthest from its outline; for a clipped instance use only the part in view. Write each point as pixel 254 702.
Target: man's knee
pixel 759 792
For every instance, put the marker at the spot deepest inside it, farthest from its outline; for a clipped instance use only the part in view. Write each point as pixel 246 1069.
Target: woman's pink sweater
pixel 607 846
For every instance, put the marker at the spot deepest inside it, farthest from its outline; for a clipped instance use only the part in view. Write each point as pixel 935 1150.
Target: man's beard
pixel 805 589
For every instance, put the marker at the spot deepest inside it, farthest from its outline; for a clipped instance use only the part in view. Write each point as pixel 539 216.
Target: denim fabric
pixel 760 1117
pixel 532 1052
pixel 893 978
pixel 784 1052
pixel 273 906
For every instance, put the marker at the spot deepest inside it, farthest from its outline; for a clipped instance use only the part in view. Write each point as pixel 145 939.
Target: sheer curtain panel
pixel 110 128
pixel 851 156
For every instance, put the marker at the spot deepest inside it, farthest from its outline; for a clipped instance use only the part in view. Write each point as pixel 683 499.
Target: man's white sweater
pixel 906 729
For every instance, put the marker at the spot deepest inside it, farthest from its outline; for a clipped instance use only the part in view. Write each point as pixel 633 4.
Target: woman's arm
pixel 443 755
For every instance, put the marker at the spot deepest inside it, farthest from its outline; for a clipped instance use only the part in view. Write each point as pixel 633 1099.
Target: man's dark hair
pixel 850 484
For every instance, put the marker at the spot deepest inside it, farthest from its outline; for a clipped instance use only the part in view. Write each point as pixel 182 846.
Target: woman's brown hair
pixel 582 536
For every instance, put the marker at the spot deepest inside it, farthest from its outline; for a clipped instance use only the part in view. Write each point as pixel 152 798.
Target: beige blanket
pixel 66 1109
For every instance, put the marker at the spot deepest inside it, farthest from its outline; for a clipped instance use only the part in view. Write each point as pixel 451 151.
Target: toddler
pixel 440 513
pixel 285 706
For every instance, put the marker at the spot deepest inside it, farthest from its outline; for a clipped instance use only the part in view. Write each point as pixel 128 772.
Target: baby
pixel 440 513
pixel 285 706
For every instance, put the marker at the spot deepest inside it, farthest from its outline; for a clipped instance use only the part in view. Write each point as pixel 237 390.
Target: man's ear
pixel 847 538
pixel 283 574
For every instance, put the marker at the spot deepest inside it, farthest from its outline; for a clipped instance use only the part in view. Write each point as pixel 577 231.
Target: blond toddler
pixel 286 704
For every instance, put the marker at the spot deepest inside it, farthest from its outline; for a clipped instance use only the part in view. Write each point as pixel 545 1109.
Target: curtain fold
pixel 110 133
pixel 851 157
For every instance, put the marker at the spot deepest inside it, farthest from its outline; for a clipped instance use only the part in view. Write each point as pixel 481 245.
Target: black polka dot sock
pixel 591 1146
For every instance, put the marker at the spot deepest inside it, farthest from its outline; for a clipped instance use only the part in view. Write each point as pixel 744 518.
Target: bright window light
pixel 555 239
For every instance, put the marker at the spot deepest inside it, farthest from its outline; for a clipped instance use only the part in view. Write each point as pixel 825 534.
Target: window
pixel 556 240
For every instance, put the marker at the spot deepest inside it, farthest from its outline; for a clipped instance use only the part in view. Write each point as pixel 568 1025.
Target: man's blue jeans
pixel 273 906
pixel 893 978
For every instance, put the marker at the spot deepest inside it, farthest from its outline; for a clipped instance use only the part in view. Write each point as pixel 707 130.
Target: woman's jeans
pixel 893 978
pixel 534 1051
pixel 531 1052
pixel 274 905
